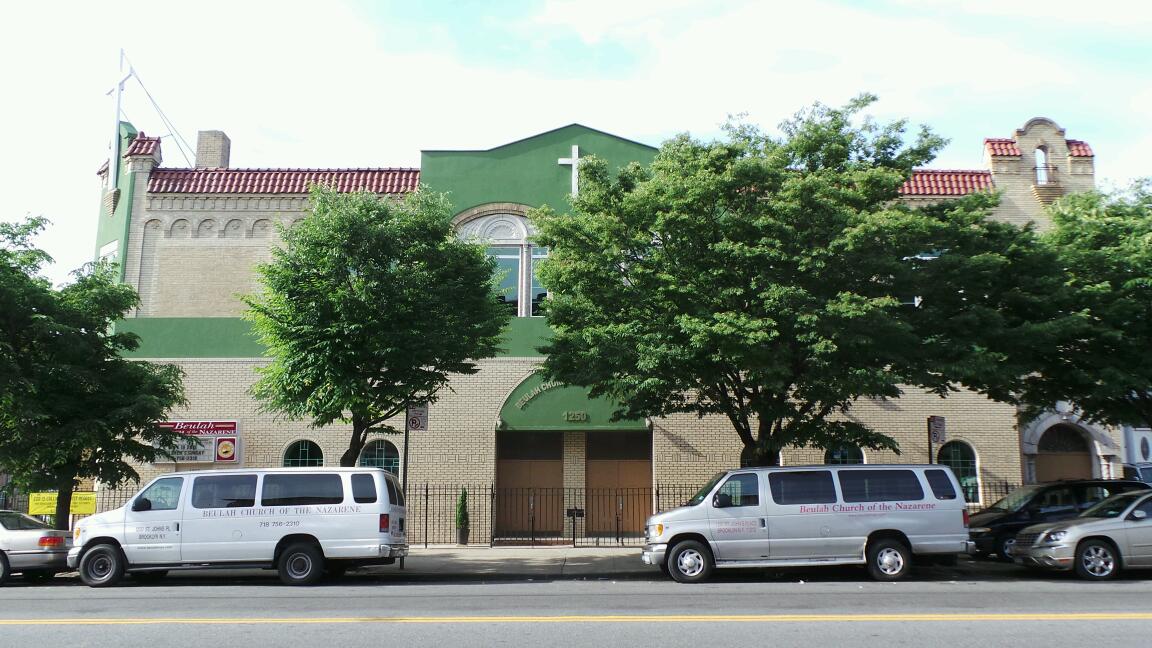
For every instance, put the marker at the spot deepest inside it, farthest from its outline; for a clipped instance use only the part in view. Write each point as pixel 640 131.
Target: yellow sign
pixel 83 503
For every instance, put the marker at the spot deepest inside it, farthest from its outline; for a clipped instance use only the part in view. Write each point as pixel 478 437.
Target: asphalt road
pixel 988 605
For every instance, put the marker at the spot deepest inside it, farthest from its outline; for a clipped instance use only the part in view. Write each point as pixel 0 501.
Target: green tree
pixel 772 281
pixel 71 408
pixel 369 306
pixel 1105 244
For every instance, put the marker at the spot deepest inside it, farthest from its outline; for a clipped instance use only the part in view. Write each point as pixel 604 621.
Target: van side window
pixel 301 490
pixel 164 494
pixel 363 489
pixel 802 487
pixel 941 485
pixel 880 485
pixel 224 491
pixel 394 494
pixel 739 490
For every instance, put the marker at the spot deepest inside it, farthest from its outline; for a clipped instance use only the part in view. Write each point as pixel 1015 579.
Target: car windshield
pixel 14 521
pixel 1015 500
pixel 1113 506
pixel 703 492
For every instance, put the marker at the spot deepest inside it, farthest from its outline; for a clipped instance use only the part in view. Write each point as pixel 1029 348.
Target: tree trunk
pixel 355 443
pixel 759 455
pixel 64 503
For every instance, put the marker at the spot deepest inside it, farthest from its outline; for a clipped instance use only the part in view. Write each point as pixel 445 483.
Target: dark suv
pixel 994 529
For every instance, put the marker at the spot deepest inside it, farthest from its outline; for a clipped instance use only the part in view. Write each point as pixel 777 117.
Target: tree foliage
pixel 368 307
pixel 772 281
pixel 1105 246
pixel 71 408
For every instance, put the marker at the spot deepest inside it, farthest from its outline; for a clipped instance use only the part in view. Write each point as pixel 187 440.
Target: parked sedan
pixel 30 547
pixel 1113 535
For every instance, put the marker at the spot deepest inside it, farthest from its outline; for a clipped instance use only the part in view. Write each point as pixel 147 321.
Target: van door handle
pixel 763 523
pixel 177 526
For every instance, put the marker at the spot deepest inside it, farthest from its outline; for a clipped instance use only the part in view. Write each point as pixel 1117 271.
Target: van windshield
pixel 703 492
pixel 1015 500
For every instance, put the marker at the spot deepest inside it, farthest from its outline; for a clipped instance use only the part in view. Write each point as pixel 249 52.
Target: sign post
pixel 415 420
pixel 936 435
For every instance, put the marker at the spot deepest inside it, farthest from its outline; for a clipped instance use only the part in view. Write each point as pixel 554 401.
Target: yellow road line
pixel 639 618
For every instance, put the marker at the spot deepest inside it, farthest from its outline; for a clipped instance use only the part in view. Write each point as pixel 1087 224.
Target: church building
pixel 543 459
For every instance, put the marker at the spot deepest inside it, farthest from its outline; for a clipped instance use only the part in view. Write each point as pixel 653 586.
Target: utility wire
pixel 178 139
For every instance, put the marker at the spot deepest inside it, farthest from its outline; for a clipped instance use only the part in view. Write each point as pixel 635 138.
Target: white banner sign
pixel 206 442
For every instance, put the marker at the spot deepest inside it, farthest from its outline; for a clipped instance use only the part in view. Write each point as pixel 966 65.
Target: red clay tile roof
pixel 930 182
pixel 142 145
pixel 1076 148
pixel 281 181
pixel 1001 146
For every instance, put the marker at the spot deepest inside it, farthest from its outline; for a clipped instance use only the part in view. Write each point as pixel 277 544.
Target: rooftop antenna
pixel 114 160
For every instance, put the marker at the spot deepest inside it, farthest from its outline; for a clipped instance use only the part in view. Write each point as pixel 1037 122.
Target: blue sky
pixel 358 83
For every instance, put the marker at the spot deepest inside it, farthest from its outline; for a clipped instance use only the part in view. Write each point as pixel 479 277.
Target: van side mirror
pixel 722 500
pixel 142 504
pixel 1139 515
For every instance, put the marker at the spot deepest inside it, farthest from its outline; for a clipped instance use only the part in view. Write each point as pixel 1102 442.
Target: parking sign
pixel 936 430
pixel 417 417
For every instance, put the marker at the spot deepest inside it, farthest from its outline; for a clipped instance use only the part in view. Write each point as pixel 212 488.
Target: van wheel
pixel 888 560
pixel 690 562
pixel 1096 560
pixel 102 566
pixel 5 570
pixel 301 564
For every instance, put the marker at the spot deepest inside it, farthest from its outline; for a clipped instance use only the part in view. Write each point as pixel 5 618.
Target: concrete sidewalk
pixel 522 562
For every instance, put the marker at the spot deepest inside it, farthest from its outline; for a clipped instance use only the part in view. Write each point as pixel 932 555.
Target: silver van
pixel 874 515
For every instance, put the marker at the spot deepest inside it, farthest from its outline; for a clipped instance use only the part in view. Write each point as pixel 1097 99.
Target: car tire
pixel 149 577
pixel 664 569
pixel 1004 546
pixel 690 562
pixel 1097 560
pixel 5 568
pixel 301 564
pixel 102 566
pixel 38 576
pixel 888 559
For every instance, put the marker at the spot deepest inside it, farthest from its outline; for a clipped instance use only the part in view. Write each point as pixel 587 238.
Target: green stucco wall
pixel 114 227
pixel 525 171
pixel 231 337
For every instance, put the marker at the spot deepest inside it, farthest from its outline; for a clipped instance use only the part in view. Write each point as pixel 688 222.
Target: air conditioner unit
pixel 1137 445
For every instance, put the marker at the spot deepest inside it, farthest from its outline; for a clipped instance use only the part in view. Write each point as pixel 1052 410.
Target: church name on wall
pixel 536 391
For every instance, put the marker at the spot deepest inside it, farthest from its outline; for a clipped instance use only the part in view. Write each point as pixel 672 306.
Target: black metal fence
pixel 539 516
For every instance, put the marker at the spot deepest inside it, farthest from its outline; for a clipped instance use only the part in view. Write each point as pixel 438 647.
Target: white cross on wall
pixel 575 162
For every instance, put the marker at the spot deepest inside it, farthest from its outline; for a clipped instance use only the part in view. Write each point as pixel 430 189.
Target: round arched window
pixel 381 454
pixel 961 458
pixel 844 455
pixel 303 453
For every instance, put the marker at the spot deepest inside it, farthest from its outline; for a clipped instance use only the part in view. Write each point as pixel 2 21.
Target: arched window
pixel 508 236
pixel 381 454
pixel 1042 168
pixel 844 455
pixel 961 458
pixel 303 453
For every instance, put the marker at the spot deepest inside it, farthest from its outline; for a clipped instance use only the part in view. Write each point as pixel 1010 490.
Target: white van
pixel 302 522
pixel 875 515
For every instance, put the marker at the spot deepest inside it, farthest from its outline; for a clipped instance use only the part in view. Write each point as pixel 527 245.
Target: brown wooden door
pixel 619 496
pixel 1052 466
pixel 529 497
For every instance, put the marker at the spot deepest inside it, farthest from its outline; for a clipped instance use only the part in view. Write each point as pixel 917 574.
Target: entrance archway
pixel 565 470
pixel 1063 453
